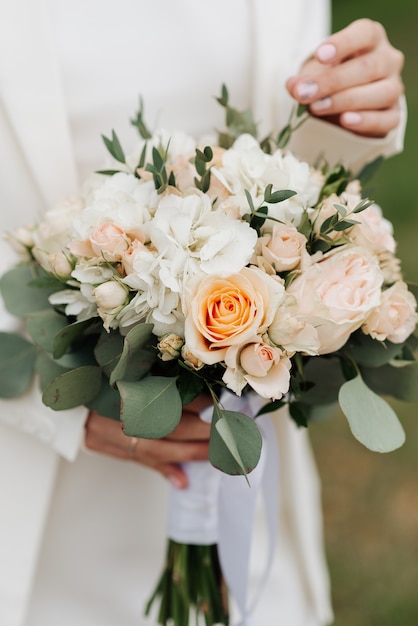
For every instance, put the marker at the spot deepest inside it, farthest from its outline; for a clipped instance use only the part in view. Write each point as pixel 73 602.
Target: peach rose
pixel 107 240
pixel 396 317
pixel 290 332
pixel 128 257
pixel 337 294
pixel 230 311
pixel 263 367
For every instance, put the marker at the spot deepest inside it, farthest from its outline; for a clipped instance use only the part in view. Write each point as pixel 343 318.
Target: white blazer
pixel 37 169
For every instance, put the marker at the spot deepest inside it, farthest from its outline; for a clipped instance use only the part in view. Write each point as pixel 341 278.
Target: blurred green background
pixel 371 500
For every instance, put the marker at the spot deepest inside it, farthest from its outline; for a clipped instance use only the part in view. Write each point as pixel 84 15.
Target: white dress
pixel 104 537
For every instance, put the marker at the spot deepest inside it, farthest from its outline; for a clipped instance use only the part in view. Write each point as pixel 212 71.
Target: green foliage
pixel 372 420
pixel 158 170
pixel 237 122
pixel 235 442
pixel 43 326
pixel 201 161
pixel 20 293
pixel 17 358
pixel 114 147
pixel 258 215
pixel 136 359
pixel 297 117
pixel 139 123
pixel 190 586
pixel 74 388
pixel 150 408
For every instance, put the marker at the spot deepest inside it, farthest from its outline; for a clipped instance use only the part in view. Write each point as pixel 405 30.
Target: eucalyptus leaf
pixel 299 413
pixel 74 388
pixel 114 147
pixel 67 335
pixel 150 408
pixel 82 354
pixel 108 172
pixel 43 326
pixel 273 197
pixel 189 386
pixel 108 350
pixel 344 224
pixel 372 421
pixel 20 296
pixel 48 369
pixel 235 444
pixel 107 401
pixel 134 362
pixel 17 360
pixel 271 407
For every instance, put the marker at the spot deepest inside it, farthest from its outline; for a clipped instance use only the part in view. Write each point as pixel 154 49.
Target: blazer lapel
pixel 41 129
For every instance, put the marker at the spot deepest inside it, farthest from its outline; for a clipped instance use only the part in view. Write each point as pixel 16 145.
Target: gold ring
pixel 132 446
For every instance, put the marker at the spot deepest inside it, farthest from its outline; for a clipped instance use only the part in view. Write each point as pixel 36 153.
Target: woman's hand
pixel 188 442
pixel 353 80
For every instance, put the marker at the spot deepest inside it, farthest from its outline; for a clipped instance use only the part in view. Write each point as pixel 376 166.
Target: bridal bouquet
pixel 219 264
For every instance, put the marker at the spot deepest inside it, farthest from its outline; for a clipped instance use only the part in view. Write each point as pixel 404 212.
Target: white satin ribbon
pixel 218 508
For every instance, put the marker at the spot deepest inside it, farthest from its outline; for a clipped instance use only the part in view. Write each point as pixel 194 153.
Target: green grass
pixel 371 500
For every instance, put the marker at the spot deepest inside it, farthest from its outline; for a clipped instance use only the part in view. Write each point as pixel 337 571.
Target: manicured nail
pixel 307 90
pixel 326 52
pixel 351 118
pixel 321 105
pixel 176 481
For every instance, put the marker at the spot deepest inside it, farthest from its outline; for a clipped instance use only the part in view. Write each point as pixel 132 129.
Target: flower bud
pixel 110 295
pixel 190 359
pixel 60 265
pixel 170 346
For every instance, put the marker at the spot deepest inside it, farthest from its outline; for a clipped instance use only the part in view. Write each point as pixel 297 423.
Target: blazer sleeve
pixel 317 138
pixel 20 204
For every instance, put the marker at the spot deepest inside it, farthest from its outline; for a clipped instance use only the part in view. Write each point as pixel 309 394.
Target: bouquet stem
pixel 190 586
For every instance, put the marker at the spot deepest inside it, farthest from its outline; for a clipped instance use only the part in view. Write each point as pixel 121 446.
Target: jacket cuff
pixel 317 138
pixel 63 431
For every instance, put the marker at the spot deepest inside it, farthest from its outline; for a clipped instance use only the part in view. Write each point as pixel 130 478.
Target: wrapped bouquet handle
pixel 211 524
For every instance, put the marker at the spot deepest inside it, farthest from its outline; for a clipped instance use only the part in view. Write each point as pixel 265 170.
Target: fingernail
pixel 351 118
pixel 176 481
pixel 326 52
pixel 321 105
pixel 307 90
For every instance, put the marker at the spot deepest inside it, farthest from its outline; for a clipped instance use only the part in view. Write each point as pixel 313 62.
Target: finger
pixel 370 123
pixel 153 452
pixel 190 428
pixel 99 429
pixel 202 401
pixel 363 70
pixel 174 474
pixel 383 94
pixel 358 37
